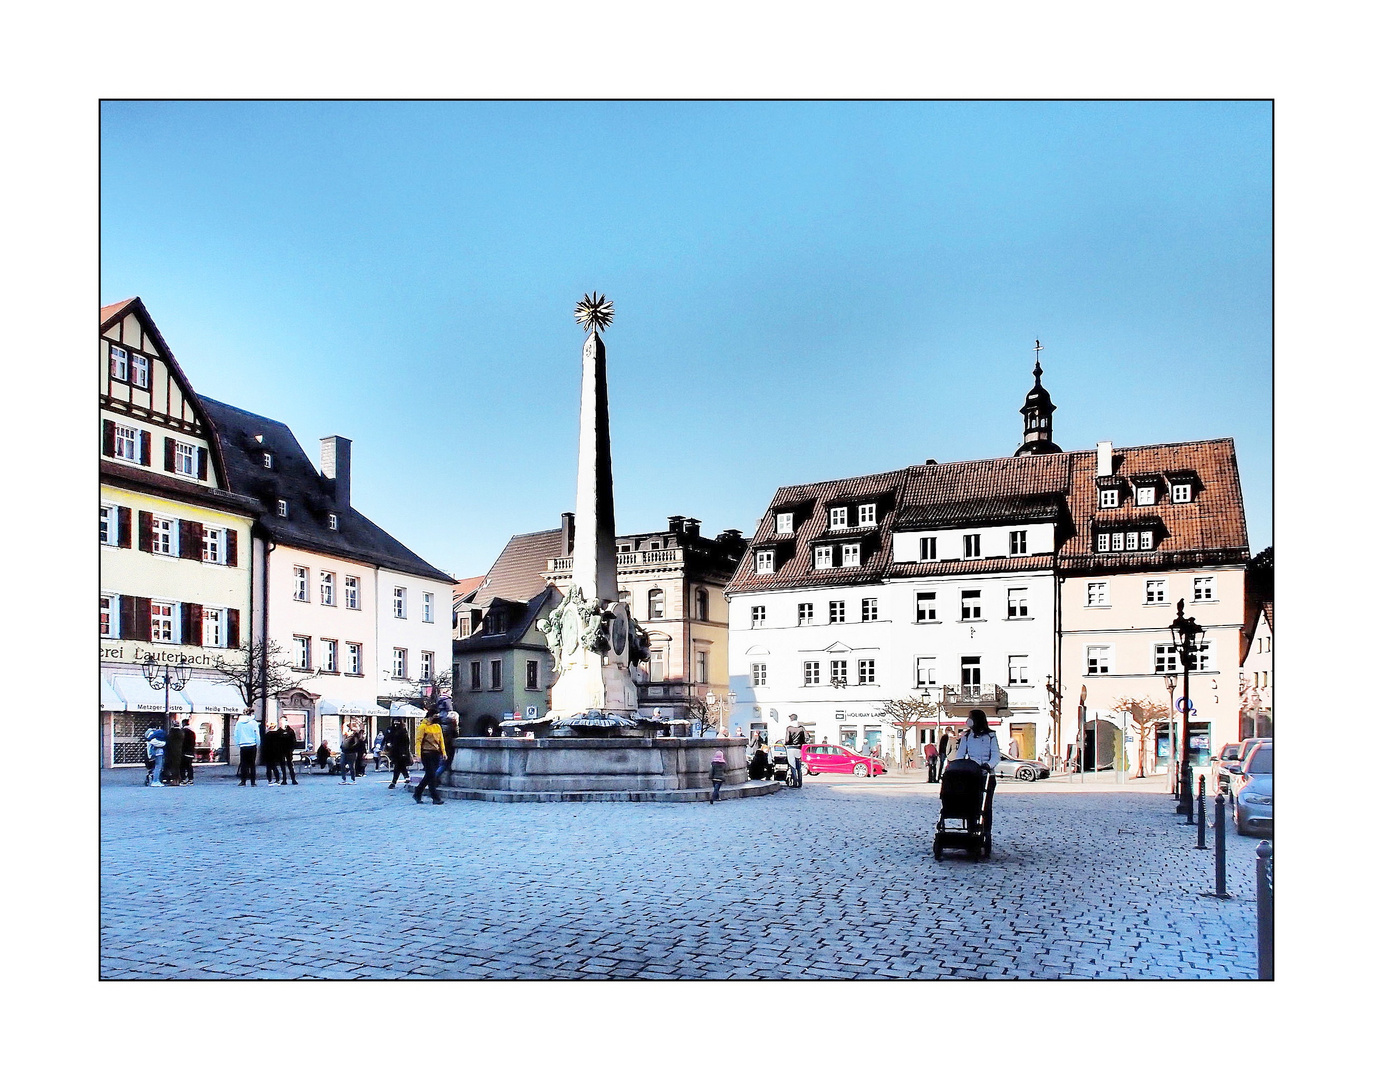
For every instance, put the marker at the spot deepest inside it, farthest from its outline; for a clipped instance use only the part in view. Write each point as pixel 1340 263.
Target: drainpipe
pixel 1058 654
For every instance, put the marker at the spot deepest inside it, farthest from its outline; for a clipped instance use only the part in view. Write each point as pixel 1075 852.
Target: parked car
pixel 1019 769
pixel 826 758
pixel 1223 764
pixel 1259 762
pixel 1254 805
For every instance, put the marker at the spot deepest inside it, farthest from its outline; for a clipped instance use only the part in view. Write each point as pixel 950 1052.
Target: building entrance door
pixel 1024 737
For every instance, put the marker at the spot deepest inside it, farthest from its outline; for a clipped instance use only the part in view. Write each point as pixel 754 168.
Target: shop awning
pixel 404 708
pixel 110 701
pixel 140 697
pixel 349 708
pixel 215 697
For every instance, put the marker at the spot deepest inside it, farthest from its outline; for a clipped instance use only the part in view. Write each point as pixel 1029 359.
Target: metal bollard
pixel 1221 894
pixel 1185 807
pixel 1201 814
pixel 1263 870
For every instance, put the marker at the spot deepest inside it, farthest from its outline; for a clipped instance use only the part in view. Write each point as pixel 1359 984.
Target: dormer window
pixel 333 522
pixel 929 548
pixel 1144 496
pixel 839 517
pixel 1182 493
pixel 764 561
pixel 824 557
pixel 850 555
pixel 281 508
pixel 784 524
pixel 266 460
pixel 867 514
pixel 972 546
pixel 1110 498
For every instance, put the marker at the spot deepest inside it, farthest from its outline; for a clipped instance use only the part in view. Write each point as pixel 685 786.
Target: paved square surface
pixel 835 881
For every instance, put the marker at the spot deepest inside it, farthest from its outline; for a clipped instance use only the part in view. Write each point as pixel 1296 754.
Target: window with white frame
pixel 784 524
pixel 212 628
pixel 763 561
pixel 972 604
pixel 329 661
pixel 187 459
pixel 1144 496
pixel 924 671
pixel 824 557
pixel 839 517
pixel 1019 541
pixel 972 546
pixel 850 555
pixel 119 363
pixel 1203 590
pixel 354 658
pixel 139 370
pixel 810 672
pixel 1146 540
pixel 426 665
pixel 702 666
pixel 398 601
pixel 333 522
pixel 1182 493
pixel 657 665
pixel 971 670
pixel 497 675
pixel 869 609
pixel 300 656
pixel 1156 590
pixel 212 546
pixel 1132 541
pixel 326 588
pixel 1098 594
pixel 109 525
pixel 839 671
pixel 1018 603
pixel 867 514
pixel 758 615
pixel 1103 541
pixel 351 593
pixel 836 611
pixel 924 607
pixel 400 663
pixel 867 672
pixel 1166 661
pixel 929 548
pixel 302 585
pixel 657 604
pixel 758 674
pixel 108 609
pixel 126 441
pixel 282 509
pixel 531 674
pixel 805 614
pixel 1017 671
pixel 1117 541
pixel 1205 658
pixel 428 614
pixel 1110 498
pixel 164 536
pixel 1098 659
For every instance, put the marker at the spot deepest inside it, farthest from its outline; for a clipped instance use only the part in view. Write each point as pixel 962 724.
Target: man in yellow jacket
pixel 429 751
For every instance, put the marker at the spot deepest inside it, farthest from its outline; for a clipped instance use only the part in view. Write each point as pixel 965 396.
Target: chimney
pixel 1103 459
pixel 931 461
pixel 569 533
pixel 692 526
pixel 336 462
pixel 674 523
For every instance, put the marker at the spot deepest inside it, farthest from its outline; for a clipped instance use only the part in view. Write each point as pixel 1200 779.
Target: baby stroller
pixel 965 797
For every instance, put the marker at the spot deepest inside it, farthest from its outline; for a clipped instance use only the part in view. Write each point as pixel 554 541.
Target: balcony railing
pixel 975 696
pixel 664 557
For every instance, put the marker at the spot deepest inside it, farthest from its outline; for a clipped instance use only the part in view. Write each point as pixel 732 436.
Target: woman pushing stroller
pixel 965 795
pixel 979 744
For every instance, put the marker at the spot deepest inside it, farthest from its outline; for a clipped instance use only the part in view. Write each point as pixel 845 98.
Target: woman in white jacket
pixel 979 742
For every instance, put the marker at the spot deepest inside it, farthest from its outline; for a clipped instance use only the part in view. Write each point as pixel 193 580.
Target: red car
pixel 827 758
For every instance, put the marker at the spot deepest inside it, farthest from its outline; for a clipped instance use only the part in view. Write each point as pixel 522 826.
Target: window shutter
pixel 169 455
pixel 191 625
pixel 202 467
pixel 107 438
pixel 145 531
pixel 230 547
pixel 145 447
pixel 125 526
pixel 128 617
pixel 192 544
pixel 231 637
pixel 143 619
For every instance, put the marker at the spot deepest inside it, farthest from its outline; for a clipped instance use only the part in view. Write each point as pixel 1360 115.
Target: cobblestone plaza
pixel 835 881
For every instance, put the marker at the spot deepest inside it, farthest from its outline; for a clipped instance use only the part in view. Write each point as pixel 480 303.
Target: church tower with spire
pixel 1038 411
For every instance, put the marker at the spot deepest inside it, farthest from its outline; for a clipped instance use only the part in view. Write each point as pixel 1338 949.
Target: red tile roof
pixel 109 311
pixel 517 572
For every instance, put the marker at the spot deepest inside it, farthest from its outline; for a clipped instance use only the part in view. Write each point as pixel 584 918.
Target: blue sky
pixel 803 291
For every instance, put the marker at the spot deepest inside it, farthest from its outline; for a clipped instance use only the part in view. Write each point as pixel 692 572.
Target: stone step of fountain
pixel 733 791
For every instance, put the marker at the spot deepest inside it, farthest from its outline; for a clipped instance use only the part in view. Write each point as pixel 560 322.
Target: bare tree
pixel 1145 715
pixel 426 692
pixel 906 713
pixel 259 670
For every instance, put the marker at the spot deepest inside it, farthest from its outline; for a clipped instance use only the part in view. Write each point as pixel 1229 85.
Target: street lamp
pixel 1170 683
pixel 166 677
pixel 1185 632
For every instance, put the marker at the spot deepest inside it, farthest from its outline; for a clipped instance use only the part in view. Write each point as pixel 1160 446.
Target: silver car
pixel 1254 805
pixel 1022 770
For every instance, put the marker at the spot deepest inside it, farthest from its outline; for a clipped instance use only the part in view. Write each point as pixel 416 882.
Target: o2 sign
pixel 1185 706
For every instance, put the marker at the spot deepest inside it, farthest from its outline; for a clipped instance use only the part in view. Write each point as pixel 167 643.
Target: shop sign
pixel 136 654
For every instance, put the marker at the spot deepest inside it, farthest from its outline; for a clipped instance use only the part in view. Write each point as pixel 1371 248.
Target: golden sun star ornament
pixel 594 312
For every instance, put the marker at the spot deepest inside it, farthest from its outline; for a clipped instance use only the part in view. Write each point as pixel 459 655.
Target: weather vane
pixel 594 312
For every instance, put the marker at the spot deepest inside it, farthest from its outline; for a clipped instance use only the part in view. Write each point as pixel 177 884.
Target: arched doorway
pixel 1103 746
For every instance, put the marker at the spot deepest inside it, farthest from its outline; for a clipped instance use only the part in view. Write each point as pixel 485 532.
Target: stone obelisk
pixel 596 645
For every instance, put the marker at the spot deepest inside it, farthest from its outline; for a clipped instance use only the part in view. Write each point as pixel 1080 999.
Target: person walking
pixel 155 742
pixel 931 762
pixel 979 743
pixel 717 775
pixel 287 751
pixel 247 737
pixel 187 752
pixel 348 756
pixel 429 749
pixel 795 740
pixel 398 750
pixel 171 768
pixel 448 722
pixel 945 749
pixel 378 745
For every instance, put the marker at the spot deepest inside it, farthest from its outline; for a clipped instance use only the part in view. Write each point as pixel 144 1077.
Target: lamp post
pixel 166 677
pixel 1170 683
pixel 715 712
pixel 1185 632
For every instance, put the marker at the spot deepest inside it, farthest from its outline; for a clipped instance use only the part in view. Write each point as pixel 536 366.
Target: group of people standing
pixel 277 747
pixel 170 755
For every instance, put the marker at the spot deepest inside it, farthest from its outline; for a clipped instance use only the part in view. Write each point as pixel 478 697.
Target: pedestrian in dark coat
pixel 188 753
pixel 931 762
pixel 717 775
pixel 271 754
pixel 448 722
pixel 287 749
pixel 945 749
pixel 348 757
pixel 398 750
pixel 172 755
